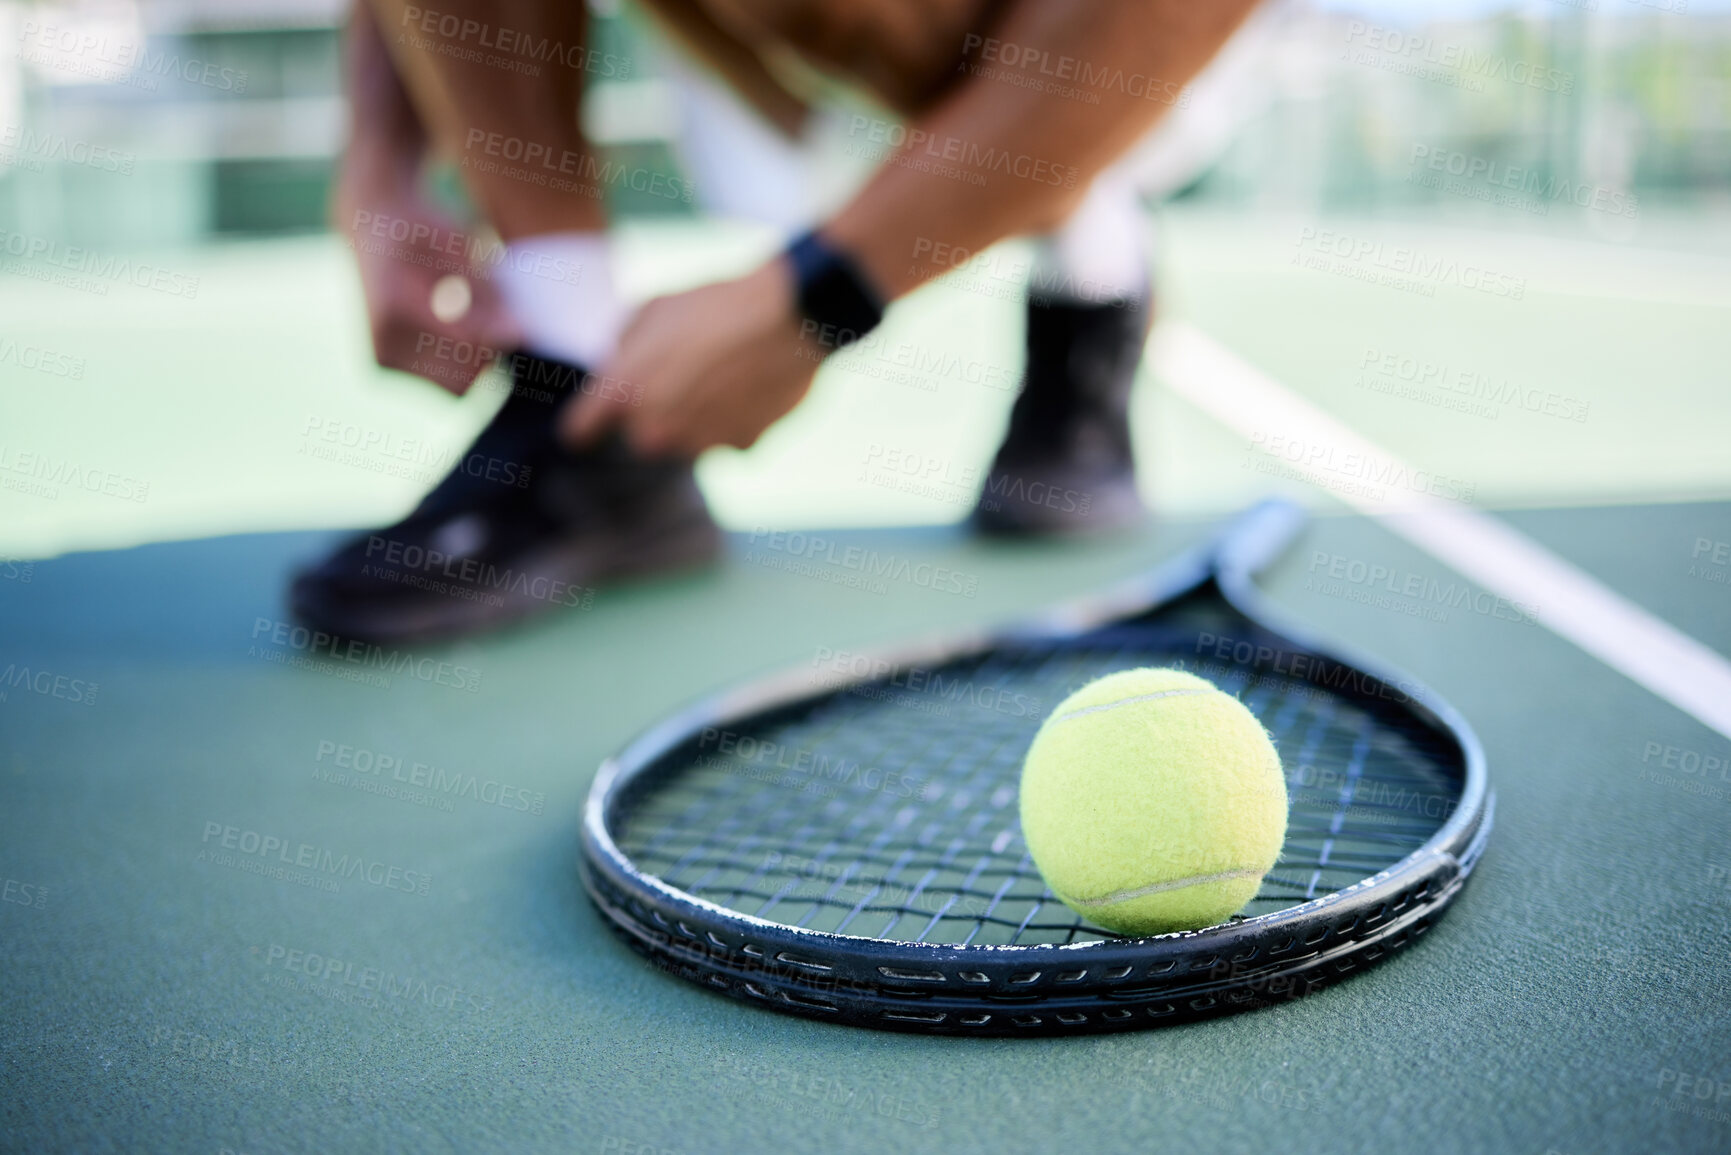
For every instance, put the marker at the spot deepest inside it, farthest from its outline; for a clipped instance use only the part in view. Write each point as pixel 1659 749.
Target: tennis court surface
pixel 166 987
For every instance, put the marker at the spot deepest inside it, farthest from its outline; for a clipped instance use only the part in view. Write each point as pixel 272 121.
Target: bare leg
pixel 513 130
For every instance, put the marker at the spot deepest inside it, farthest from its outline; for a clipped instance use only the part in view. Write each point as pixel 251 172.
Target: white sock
pixel 1100 254
pixel 559 288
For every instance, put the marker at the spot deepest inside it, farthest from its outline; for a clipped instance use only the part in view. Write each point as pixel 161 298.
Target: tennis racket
pixel 845 845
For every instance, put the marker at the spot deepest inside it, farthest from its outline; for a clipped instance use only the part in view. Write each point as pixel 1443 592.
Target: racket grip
pixel 1258 536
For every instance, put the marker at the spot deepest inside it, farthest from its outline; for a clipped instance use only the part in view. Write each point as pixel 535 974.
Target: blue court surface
pixel 158 719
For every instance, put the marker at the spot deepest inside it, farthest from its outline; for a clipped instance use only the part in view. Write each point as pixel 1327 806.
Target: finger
pixel 704 422
pixel 658 422
pixel 647 440
pixel 587 416
pixel 454 351
pixel 406 345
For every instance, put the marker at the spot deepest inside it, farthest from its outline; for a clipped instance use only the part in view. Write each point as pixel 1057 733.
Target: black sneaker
pixel 520 526
pixel 1065 465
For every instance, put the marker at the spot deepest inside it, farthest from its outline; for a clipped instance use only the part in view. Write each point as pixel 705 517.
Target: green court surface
pixel 253 404
pixel 1573 1000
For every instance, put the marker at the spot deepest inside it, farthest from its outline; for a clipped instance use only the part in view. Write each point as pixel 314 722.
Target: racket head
pixel 745 843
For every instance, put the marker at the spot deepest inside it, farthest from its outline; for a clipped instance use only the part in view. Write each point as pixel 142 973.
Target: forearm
pixel 512 129
pixel 1016 159
pixel 387 142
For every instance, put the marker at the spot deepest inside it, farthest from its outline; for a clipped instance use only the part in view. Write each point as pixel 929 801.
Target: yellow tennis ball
pixel 1153 802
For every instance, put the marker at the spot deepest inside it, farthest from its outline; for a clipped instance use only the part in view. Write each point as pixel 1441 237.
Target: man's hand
pixel 404 245
pixel 398 276
pixel 713 366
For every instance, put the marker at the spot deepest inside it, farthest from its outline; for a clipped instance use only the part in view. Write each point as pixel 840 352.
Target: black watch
pixel 836 300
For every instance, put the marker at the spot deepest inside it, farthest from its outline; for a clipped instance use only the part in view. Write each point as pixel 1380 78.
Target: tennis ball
pixel 1152 802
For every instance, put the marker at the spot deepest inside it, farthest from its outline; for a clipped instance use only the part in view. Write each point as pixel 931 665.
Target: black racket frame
pixel 1106 985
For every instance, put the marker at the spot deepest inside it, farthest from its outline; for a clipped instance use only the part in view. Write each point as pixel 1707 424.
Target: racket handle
pixel 1258 536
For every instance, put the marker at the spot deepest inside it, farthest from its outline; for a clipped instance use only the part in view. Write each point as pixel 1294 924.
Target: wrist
pixel 834 298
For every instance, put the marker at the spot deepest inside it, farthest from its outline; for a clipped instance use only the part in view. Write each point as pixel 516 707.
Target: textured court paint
pixel 1588 958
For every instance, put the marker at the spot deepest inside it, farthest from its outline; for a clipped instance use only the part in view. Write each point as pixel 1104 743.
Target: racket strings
pixel 889 810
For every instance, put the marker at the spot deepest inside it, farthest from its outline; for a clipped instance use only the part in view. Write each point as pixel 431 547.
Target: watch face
pixel 833 294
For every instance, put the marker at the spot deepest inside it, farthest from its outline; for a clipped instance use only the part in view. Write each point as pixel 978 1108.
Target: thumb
pixel 586 416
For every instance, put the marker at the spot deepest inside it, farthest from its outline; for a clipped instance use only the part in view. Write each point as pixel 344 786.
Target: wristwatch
pixel 836 301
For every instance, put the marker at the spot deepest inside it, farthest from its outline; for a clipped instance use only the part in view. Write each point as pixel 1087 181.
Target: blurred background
pixel 195 140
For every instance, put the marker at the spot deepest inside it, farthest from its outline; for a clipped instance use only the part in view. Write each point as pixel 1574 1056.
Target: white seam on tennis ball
pixel 1174 884
pixel 1133 701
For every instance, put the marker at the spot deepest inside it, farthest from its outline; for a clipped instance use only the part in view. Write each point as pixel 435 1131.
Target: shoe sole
pixel 582 564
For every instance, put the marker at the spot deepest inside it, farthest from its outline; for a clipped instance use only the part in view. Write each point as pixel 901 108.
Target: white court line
pixel 1566 600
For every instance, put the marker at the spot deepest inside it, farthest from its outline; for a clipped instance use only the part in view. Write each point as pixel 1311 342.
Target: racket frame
pixel 1106 984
